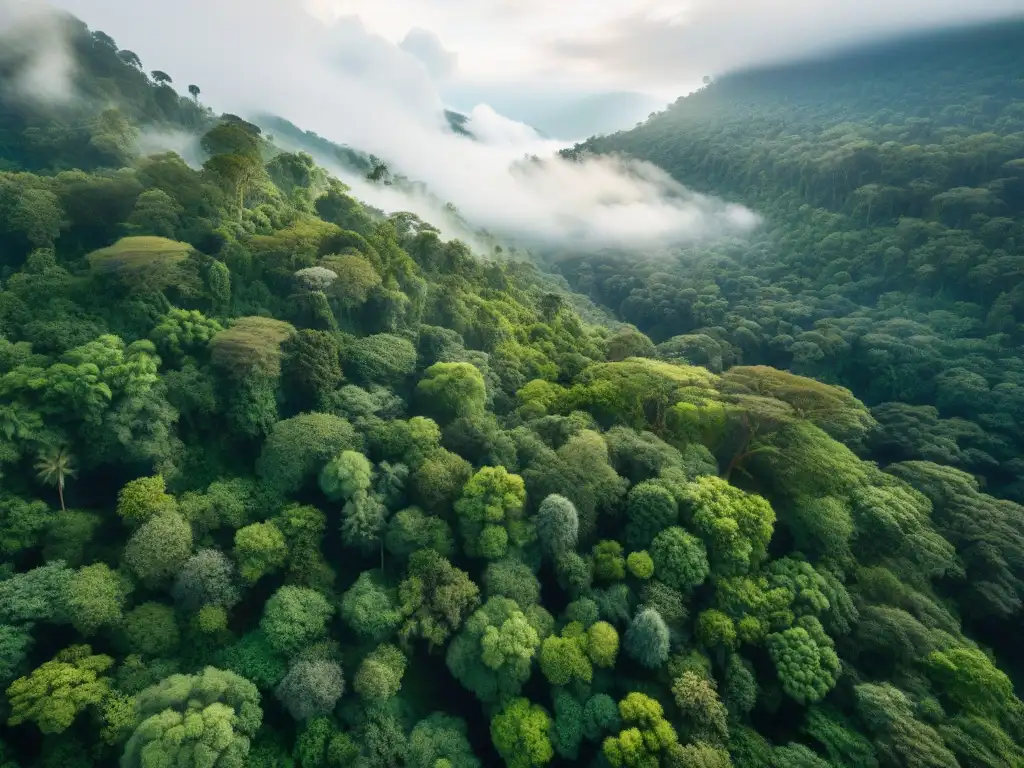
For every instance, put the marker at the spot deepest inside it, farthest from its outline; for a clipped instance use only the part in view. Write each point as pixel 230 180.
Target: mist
pixel 33 36
pixel 355 88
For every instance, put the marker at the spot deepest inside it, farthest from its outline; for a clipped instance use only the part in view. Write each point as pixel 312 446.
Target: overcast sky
pixel 653 46
pixel 647 45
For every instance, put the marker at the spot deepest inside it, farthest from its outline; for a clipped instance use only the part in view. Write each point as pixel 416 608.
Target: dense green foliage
pixel 291 482
pixel 891 182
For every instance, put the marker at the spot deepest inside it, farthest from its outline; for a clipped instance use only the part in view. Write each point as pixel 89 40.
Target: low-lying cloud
pixel 33 43
pixel 267 56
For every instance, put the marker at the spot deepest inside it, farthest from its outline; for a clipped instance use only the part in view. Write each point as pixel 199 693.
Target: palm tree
pixel 56 463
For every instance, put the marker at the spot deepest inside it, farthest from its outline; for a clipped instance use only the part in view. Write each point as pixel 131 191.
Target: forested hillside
pixel 289 482
pixel 892 256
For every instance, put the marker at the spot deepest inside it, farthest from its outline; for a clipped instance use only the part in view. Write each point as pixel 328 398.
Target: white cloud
pixel 671 43
pixel 33 36
pixel 265 56
pixel 427 47
pixel 647 45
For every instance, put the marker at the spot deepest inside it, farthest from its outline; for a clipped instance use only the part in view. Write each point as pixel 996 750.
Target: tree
pixel 211 620
pixel 15 643
pixel 130 58
pixel 640 565
pixel 260 549
pixel 311 688
pixel 982 529
pixel 183 332
pixel 152 630
pixel 293 617
pixel 194 91
pixel 680 560
pixel 379 171
pixel 53 695
pixel 557 525
pixel 303 527
pixel 383 738
pixel 736 526
pixel 206 578
pixel 492 655
pixel 312 367
pixel 650 508
pixel 346 475
pixel 236 174
pixel 648 736
pixel 364 518
pixel 253 658
pixel 889 716
pixel 232 137
pixel 600 716
pixel 321 744
pixel 156 213
pixel 379 677
pixel 144 498
pixel 580 471
pixel 357 280
pixel 521 733
pixel 805 660
pixel 161 78
pixel 833 409
pixel 449 391
pixel 23 524
pixel 568 734
pixel 94 597
pixel 440 740
pixel 491 513
pixel 714 629
pixel 705 715
pixel 159 548
pixel 512 579
pixel 841 741
pixel 629 342
pixel 38 215
pixel 412 529
pixel 609 564
pixel 251 345
pixel 54 465
pixel 647 639
pixel 381 359
pixel 145 264
pixel 435 598
pixel 563 659
pixel 602 644
pixel 35 595
pixel 207 718
pixel 370 608
pixel 441 474
pixel 970 682
pixel 298 448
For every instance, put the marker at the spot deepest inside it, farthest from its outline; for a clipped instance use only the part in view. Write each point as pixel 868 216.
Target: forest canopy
pixel 287 481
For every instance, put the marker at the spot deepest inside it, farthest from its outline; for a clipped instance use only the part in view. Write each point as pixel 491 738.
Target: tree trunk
pixel 60 493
